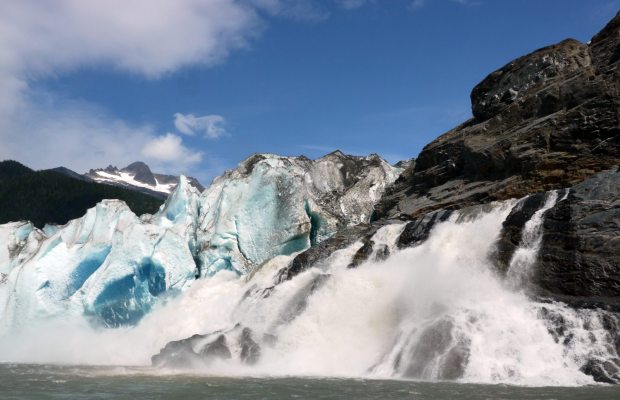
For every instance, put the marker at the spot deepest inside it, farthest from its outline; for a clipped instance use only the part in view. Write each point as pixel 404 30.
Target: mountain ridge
pixel 52 197
pixel 138 176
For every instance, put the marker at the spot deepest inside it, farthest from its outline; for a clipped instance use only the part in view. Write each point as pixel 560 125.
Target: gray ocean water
pixel 18 381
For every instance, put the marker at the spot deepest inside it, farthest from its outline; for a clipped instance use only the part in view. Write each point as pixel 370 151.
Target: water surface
pixel 18 381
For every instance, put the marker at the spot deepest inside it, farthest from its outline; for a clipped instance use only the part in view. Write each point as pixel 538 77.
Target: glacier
pixel 113 266
pixel 272 205
pixel 248 278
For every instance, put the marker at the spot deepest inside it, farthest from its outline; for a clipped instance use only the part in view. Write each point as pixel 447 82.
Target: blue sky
pixel 282 76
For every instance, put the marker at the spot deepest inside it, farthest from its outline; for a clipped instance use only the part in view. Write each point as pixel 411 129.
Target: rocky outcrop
pixel 607 327
pixel 418 230
pixel 141 172
pixel 544 121
pixel 323 250
pixel 512 230
pixel 581 241
pixel 578 261
pixel 200 350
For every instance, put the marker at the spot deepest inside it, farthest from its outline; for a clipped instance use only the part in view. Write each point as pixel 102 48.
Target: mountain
pixel 490 258
pixel 10 170
pixel 53 197
pixel 544 121
pixel 138 176
pixel 70 173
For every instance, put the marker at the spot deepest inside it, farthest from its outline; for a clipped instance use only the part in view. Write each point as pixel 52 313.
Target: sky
pixel 196 86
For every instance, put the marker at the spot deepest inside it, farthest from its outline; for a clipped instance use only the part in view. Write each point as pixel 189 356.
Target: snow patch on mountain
pixel 138 176
pixel 127 178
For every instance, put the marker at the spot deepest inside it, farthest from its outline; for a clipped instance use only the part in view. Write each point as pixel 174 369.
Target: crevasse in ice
pixel 112 265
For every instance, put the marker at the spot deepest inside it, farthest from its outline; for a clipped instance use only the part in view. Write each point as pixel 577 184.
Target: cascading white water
pixel 435 311
pixel 531 238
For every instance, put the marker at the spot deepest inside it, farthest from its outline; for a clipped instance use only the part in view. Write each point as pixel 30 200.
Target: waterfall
pixel 531 238
pixel 436 311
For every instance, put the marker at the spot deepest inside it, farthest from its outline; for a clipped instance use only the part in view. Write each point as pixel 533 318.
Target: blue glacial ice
pixel 114 266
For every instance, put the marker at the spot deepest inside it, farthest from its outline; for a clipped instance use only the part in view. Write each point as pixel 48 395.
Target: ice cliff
pixel 272 205
pixel 112 265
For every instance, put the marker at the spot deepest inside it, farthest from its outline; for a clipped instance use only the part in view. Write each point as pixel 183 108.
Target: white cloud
pixel 169 149
pixel 50 132
pixel 150 38
pixel 211 126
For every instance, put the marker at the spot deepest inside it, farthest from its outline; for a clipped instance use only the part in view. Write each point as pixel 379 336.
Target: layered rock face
pixel 579 261
pixel 544 121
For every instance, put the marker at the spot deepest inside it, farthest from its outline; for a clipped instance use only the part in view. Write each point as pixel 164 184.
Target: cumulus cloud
pixel 169 148
pixel 211 126
pixel 50 132
pixel 147 38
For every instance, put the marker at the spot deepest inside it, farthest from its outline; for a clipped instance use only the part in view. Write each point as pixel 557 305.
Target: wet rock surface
pixel 236 344
pixel 578 261
pixel 250 350
pixel 216 349
pixel 418 230
pixel 323 250
pixel 512 229
pixel 299 302
pixel 581 241
pixel 178 354
pixel 437 354
pixel 603 330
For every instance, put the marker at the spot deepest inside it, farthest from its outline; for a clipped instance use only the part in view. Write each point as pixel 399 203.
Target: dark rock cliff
pixel 579 260
pixel 544 121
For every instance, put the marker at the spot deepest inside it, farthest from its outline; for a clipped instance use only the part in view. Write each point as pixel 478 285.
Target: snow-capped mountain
pixel 138 176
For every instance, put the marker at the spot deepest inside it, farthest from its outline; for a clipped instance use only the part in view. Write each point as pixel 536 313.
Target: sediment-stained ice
pixel 272 205
pixel 113 266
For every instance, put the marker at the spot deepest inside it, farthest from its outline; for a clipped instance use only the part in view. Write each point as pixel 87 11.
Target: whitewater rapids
pixel 424 311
